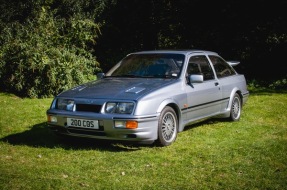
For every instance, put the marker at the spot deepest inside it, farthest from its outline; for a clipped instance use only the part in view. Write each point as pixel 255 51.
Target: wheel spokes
pixel 236 108
pixel 168 126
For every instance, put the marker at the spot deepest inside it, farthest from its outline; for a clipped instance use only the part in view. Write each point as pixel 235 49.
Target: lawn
pixel 214 154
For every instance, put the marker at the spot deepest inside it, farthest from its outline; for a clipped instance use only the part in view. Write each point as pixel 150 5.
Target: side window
pixel 222 68
pixel 200 65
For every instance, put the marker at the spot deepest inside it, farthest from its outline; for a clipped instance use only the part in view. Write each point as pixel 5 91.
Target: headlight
pixel 65 104
pixel 119 107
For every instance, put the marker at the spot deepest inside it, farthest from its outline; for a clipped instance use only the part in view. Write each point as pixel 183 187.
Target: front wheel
pixel 236 106
pixel 167 127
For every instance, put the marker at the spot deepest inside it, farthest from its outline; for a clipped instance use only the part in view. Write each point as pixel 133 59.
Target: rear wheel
pixel 235 111
pixel 167 127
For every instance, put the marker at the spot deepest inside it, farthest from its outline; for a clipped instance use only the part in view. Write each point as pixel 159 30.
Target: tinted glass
pixel 222 68
pixel 200 65
pixel 150 65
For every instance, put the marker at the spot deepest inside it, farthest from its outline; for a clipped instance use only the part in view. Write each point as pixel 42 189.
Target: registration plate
pixel 84 123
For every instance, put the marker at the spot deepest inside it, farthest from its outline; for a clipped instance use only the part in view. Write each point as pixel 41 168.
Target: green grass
pixel 214 154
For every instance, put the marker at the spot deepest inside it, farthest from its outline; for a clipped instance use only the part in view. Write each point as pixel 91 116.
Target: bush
pixel 45 56
pixel 279 84
pixel 268 86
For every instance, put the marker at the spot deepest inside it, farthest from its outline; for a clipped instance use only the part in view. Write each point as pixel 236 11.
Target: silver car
pixel 151 96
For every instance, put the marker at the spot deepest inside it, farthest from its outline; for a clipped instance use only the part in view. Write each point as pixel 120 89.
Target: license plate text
pixel 94 124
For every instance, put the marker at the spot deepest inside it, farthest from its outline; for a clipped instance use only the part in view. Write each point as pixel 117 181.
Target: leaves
pixel 47 54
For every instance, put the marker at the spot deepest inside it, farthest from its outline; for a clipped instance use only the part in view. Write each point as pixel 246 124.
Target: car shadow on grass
pixel 41 136
pixel 209 121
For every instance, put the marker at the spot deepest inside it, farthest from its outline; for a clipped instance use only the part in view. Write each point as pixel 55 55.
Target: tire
pixel 167 127
pixel 235 110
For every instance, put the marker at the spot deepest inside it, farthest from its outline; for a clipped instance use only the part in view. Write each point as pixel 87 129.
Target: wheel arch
pixel 174 105
pixel 235 91
pixel 227 113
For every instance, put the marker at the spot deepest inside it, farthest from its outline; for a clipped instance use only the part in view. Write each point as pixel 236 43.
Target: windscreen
pixel 158 65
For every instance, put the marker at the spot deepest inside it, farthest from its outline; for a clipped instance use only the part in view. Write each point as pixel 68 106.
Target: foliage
pixel 32 30
pixel 256 38
pixel 214 154
pixel 47 54
pixel 263 85
pixel 279 84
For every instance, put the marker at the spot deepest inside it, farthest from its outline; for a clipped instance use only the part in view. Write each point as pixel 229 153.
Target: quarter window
pixel 222 68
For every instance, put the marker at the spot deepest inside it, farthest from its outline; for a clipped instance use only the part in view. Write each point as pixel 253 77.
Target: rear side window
pixel 222 68
pixel 200 65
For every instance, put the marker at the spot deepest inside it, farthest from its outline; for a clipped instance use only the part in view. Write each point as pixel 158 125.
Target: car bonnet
pixel 117 88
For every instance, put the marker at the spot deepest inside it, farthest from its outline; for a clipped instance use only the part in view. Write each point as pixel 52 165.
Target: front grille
pixel 88 108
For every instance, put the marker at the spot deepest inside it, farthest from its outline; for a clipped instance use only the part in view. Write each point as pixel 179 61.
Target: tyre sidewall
pixel 161 140
pixel 232 116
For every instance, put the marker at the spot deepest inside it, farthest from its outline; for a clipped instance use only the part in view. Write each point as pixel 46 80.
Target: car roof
pixel 186 52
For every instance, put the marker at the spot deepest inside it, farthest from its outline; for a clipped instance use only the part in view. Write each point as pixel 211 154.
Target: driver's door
pixel 203 98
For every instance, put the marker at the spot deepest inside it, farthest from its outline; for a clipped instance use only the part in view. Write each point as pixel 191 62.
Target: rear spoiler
pixel 233 63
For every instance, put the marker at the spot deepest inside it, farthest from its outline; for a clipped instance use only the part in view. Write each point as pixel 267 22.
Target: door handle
pixel 216 84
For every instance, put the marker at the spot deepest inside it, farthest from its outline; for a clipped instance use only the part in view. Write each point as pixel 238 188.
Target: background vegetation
pixel 47 46
pixel 253 32
pixel 214 154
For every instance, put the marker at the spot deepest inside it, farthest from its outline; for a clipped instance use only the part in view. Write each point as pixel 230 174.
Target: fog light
pixel 52 119
pixel 120 124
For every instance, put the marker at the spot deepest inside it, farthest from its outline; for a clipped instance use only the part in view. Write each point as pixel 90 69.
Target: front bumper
pixel 146 130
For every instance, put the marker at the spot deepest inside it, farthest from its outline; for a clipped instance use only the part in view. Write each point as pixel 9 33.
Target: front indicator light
pixel 126 124
pixel 52 119
pixel 131 125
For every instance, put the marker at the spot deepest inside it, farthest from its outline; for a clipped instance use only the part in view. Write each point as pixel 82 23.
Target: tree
pixel 249 32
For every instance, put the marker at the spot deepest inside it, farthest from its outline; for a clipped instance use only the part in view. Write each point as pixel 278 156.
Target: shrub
pixel 279 84
pixel 268 86
pixel 45 56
